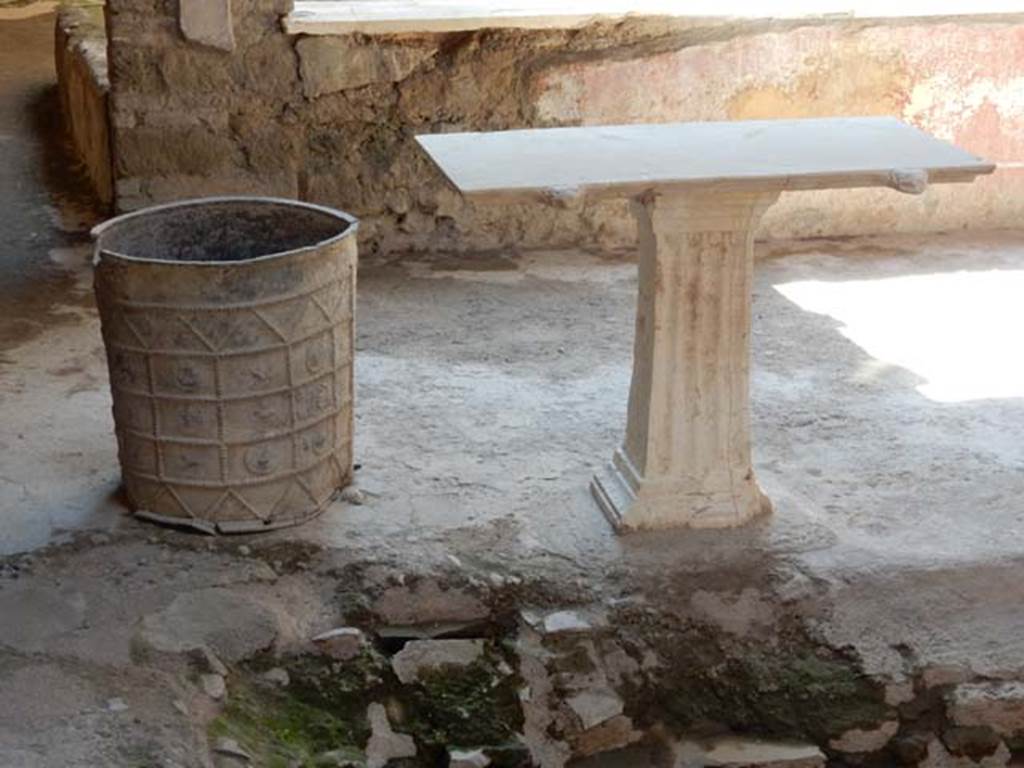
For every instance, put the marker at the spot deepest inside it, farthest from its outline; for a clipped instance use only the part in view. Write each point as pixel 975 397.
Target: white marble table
pixel 699 190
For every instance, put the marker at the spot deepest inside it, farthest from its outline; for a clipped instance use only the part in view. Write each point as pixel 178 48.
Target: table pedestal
pixel 686 457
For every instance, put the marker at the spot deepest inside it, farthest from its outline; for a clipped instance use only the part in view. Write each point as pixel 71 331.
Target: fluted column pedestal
pixel 686 457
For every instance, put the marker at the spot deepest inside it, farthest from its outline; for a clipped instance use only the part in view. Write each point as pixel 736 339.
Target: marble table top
pixel 814 153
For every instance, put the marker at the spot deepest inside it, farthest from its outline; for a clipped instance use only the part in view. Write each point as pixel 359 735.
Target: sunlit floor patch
pixel 963 332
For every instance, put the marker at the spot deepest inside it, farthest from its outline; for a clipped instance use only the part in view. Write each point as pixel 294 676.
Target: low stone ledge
pixel 80 49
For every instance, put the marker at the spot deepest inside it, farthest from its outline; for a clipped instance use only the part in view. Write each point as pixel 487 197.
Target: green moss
pixel 788 692
pixel 471 706
pixel 1015 743
pixel 280 731
pixel 340 687
pixel 322 709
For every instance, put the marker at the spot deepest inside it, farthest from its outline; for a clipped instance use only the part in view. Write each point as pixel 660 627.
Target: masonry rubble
pixel 427 602
pixel 214 686
pixel 586 679
pixel 423 655
pixel 943 753
pixel 339 758
pixel 866 740
pixel 230 748
pixel 343 643
pixel 476 758
pixel 206 661
pixel 117 704
pixel 385 744
pixel 998 705
pixel 277 676
pixel 747 753
pixel 594 707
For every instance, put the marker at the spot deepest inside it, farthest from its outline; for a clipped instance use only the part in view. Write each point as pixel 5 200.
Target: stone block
pixel 564 622
pixel 937 756
pixel 270 71
pixel 732 752
pixel 427 603
pixel 976 742
pixel 330 64
pixel 420 655
pixel 613 734
pixel 42 612
pixel 938 675
pixel 227 182
pixel 153 151
pixel 230 748
pixel 135 70
pixel 476 758
pixel 343 643
pixel 277 676
pixel 417 223
pixel 231 625
pixel 153 7
pixel 340 758
pixel 865 740
pixel 591 708
pixel 207 22
pixel 341 189
pixel 197 74
pixel 998 705
pixel 385 744
pixel 129 187
pixel 268 145
pixel 206 661
pixel 213 686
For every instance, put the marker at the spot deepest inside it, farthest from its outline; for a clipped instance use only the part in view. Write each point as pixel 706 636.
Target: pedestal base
pixel 631 503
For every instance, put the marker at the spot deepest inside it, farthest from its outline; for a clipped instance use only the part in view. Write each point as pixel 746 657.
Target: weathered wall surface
pixel 961 80
pixel 81 59
pixel 332 119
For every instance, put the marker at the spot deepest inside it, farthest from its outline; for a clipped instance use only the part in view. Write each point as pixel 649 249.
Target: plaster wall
pixel 959 79
pixel 331 119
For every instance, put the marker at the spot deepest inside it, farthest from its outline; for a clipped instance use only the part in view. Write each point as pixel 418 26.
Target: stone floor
pixel 888 402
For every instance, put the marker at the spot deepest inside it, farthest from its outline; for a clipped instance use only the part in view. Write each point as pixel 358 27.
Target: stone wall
pixel 332 119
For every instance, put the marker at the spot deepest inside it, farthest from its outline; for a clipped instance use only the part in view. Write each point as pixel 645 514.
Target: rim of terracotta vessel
pixel 98 232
